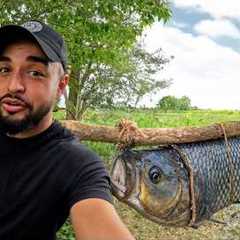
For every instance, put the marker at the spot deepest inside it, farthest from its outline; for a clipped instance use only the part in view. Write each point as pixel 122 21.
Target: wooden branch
pixel 153 136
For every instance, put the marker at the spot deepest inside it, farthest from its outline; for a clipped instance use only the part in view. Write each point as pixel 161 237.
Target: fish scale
pixel 212 169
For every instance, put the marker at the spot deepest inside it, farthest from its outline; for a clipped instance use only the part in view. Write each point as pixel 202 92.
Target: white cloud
pixel 203 70
pixel 179 24
pixel 216 8
pixel 216 28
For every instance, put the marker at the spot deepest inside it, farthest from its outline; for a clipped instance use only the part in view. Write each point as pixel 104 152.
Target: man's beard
pixel 31 119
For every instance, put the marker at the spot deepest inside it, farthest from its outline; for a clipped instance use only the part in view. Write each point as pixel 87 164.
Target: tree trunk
pixel 151 136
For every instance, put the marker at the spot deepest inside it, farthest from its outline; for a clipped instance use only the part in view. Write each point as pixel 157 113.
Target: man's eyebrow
pixel 39 59
pixel 4 59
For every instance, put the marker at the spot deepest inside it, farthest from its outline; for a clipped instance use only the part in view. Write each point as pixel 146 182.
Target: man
pixel 45 174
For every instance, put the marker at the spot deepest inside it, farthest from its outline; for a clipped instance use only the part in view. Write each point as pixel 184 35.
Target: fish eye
pixel 155 174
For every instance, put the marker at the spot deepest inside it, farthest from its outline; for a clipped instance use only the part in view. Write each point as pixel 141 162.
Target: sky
pixel 204 38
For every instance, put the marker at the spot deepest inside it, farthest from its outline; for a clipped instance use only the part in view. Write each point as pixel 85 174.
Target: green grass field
pixel 142 228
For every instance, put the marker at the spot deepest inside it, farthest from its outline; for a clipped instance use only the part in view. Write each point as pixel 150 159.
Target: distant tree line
pixel 174 103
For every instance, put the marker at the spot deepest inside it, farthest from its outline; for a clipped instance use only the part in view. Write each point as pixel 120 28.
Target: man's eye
pixel 36 74
pixel 4 70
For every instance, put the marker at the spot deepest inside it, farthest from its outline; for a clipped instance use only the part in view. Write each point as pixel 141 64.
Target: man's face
pixel 29 87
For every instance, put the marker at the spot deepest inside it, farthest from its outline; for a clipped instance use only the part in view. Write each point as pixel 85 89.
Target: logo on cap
pixel 33 26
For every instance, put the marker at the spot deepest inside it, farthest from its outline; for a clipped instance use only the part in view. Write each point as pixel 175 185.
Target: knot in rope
pixel 128 133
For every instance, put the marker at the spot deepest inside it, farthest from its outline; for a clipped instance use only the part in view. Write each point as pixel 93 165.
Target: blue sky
pixel 204 38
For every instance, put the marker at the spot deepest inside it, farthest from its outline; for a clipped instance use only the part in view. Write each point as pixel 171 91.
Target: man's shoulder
pixel 69 151
pixel 67 143
pixel 74 152
pixel 75 147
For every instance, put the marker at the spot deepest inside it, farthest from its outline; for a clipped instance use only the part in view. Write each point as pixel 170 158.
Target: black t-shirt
pixel 41 177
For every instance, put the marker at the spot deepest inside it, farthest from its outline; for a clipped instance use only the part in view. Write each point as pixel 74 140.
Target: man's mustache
pixel 17 97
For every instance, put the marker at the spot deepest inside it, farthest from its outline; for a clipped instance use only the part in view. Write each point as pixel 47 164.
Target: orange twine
pixel 129 133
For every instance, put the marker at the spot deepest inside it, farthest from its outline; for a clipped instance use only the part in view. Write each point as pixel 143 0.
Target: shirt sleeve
pixel 91 180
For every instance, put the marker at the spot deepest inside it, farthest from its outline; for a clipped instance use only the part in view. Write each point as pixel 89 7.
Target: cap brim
pixel 15 32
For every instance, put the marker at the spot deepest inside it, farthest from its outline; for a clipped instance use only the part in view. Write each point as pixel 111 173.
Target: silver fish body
pixel 157 182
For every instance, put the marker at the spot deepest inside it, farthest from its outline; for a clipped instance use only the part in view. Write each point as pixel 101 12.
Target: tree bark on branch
pixel 151 136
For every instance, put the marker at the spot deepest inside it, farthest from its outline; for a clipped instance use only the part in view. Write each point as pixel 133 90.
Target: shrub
pixel 174 103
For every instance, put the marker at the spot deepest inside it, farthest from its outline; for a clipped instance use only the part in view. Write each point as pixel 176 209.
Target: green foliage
pixel 141 78
pixel 66 232
pixel 174 103
pixel 100 35
pixel 127 86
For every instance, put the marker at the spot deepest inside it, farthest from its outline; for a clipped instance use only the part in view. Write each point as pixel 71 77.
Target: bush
pixel 173 103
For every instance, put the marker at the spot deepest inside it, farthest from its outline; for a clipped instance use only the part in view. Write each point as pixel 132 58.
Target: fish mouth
pixel 122 177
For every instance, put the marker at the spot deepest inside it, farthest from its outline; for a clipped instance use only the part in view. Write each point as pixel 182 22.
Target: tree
pixel 184 103
pixel 125 86
pixel 142 77
pixel 173 103
pixel 100 35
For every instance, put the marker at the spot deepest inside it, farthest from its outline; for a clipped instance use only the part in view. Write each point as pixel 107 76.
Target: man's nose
pixel 16 83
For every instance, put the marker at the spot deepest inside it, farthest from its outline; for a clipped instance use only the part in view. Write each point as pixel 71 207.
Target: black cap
pixel 51 42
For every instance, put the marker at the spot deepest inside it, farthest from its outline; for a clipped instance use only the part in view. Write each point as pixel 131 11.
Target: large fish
pixel 179 185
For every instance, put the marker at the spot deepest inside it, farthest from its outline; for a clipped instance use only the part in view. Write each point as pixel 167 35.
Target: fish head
pixel 155 183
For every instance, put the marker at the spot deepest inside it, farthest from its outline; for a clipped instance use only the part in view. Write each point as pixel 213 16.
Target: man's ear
pixel 62 85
